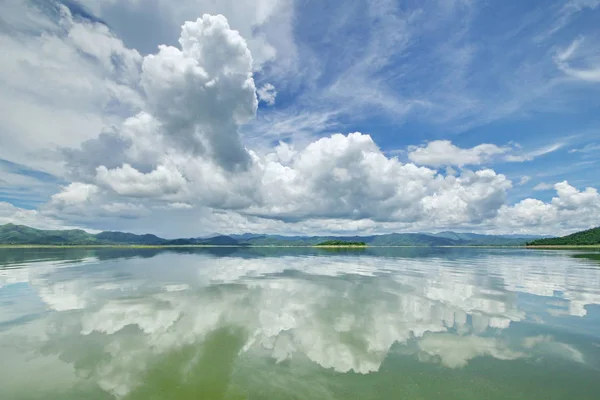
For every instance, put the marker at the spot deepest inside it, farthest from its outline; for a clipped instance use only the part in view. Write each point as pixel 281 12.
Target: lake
pixel 259 323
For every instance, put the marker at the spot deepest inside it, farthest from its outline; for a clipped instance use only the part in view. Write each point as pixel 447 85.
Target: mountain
pixel 487 240
pixel 588 237
pixel 391 239
pixel 221 240
pixel 130 238
pixel 20 234
pixel 244 236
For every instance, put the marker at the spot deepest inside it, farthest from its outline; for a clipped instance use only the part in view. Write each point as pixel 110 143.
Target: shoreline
pixel 150 246
pixel 184 246
pixel 564 246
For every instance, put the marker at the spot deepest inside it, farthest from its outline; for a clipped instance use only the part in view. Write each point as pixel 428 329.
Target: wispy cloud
pixel 524 180
pixel 531 155
pixel 563 15
pixel 430 63
pixel 295 125
pixel 588 148
pixel 589 61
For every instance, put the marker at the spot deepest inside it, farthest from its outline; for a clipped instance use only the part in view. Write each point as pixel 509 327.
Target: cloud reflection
pixel 341 312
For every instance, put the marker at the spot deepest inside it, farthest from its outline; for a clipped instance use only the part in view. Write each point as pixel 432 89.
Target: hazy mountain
pixel 20 234
pixel 122 237
pixel 245 236
pixel 481 239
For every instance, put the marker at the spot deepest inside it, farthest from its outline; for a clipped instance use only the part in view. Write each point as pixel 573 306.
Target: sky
pixel 299 116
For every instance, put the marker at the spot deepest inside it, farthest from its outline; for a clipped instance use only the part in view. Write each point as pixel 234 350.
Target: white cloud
pixel 349 177
pixel 543 186
pixel 528 212
pixel 125 209
pixel 524 180
pixel 569 198
pixel 345 177
pixel 180 206
pixel 530 155
pixel 74 194
pixel 201 93
pixel 441 153
pixel 164 181
pixel 57 88
pixel 570 210
pixel 33 218
pixel 96 40
pixel 267 93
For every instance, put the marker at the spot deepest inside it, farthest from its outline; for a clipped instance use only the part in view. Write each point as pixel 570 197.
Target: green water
pixel 419 323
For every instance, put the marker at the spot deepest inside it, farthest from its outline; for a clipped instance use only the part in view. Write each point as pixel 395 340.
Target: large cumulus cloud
pixel 202 92
pixel 185 147
pixel 570 208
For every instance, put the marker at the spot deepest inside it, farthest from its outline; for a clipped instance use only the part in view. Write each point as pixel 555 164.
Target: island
pixel 340 243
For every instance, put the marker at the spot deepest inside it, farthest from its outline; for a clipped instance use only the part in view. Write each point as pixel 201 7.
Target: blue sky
pixel 469 115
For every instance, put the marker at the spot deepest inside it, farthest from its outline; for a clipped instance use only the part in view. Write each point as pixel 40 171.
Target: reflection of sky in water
pixel 103 318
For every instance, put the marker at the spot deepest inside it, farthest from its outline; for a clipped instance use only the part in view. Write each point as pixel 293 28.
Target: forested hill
pixel 24 235
pixel 21 234
pixel 589 237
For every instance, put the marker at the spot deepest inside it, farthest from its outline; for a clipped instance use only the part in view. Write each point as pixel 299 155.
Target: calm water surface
pixel 299 324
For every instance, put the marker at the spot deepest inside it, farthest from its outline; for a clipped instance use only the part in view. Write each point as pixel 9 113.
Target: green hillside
pixel 130 238
pixel 24 235
pixel 21 234
pixel 583 238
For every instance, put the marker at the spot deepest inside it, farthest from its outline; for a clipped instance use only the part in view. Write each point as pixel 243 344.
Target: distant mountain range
pixel 24 235
pixel 583 238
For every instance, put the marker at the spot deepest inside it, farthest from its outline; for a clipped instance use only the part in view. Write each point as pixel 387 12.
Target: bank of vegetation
pixel 590 237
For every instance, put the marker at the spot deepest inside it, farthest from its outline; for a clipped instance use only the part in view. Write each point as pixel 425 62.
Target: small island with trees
pixel 340 243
